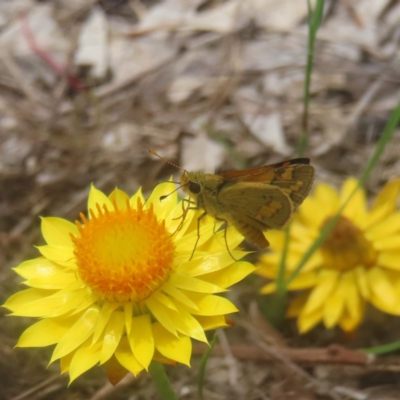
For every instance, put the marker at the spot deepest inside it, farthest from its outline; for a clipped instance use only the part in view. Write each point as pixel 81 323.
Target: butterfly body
pixel 253 200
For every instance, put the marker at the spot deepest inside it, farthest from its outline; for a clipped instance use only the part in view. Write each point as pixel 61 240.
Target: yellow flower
pixel 119 287
pixel 358 263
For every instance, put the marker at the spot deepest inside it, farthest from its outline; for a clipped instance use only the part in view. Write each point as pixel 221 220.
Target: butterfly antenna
pixel 169 194
pixel 152 151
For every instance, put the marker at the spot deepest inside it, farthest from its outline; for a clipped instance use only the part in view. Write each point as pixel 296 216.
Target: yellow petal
pixel 134 199
pixel 388 197
pixel 387 227
pixel 188 325
pixel 102 321
pixel 356 209
pixel 141 340
pixel 115 371
pixel 97 200
pixel 57 281
pixel 112 335
pixel 163 299
pixel 362 281
pixel 350 322
pixel 162 359
pixel 327 281
pixel 311 212
pixel 210 304
pixel 305 322
pixel 178 219
pixel 372 218
pixel 175 348
pixel 125 357
pixel 302 233
pixel 45 332
pixel 352 297
pixel 381 286
pixel 231 275
pixel 394 278
pixel 304 281
pixel 222 241
pixel 59 254
pixel 44 274
pixel 384 306
pixel 334 305
pixel 128 312
pixel 193 284
pixel 297 305
pixel 47 306
pixel 186 245
pixel 163 205
pixel 177 294
pixel 160 313
pixel 65 362
pixel 70 301
pixel 214 322
pixel 192 219
pixel 18 301
pixel 269 263
pixel 85 357
pixel 276 239
pixel 388 243
pixel 84 305
pixel 328 196
pixel 77 334
pixel 389 259
pixel 268 288
pixel 119 198
pixel 210 263
pixel 58 231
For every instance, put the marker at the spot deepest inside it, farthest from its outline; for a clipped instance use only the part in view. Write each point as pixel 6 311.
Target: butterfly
pixel 253 200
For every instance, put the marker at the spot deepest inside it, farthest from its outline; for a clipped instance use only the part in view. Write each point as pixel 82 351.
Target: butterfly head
pixel 189 183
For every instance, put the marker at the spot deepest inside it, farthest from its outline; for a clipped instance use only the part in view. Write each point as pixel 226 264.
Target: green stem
pixel 280 279
pixel 386 348
pixel 315 18
pixel 203 365
pixel 274 308
pixel 161 381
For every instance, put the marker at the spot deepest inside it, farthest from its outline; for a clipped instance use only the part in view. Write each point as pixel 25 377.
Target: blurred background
pixel 87 87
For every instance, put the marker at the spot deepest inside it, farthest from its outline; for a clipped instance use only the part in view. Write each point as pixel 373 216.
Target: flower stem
pixel 203 365
pixel 161 381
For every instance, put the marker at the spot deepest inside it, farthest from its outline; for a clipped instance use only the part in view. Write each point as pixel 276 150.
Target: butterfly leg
pixel 198 232
pixel 225 235
pixel 185 210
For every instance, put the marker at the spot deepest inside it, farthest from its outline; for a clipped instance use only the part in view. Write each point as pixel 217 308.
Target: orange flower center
pixel 123 255
pixel 346 247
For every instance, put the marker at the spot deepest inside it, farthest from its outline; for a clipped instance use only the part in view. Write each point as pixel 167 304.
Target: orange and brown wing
pixel 261 174
pixel 262 206
pixel 295 177
pixel 296 181
pixel 253 207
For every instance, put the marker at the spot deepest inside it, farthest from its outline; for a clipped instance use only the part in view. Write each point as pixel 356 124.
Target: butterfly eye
pixel 194 187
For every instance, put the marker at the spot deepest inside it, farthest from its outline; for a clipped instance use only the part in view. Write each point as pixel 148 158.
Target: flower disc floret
pixel 124 255
pixel 346 247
